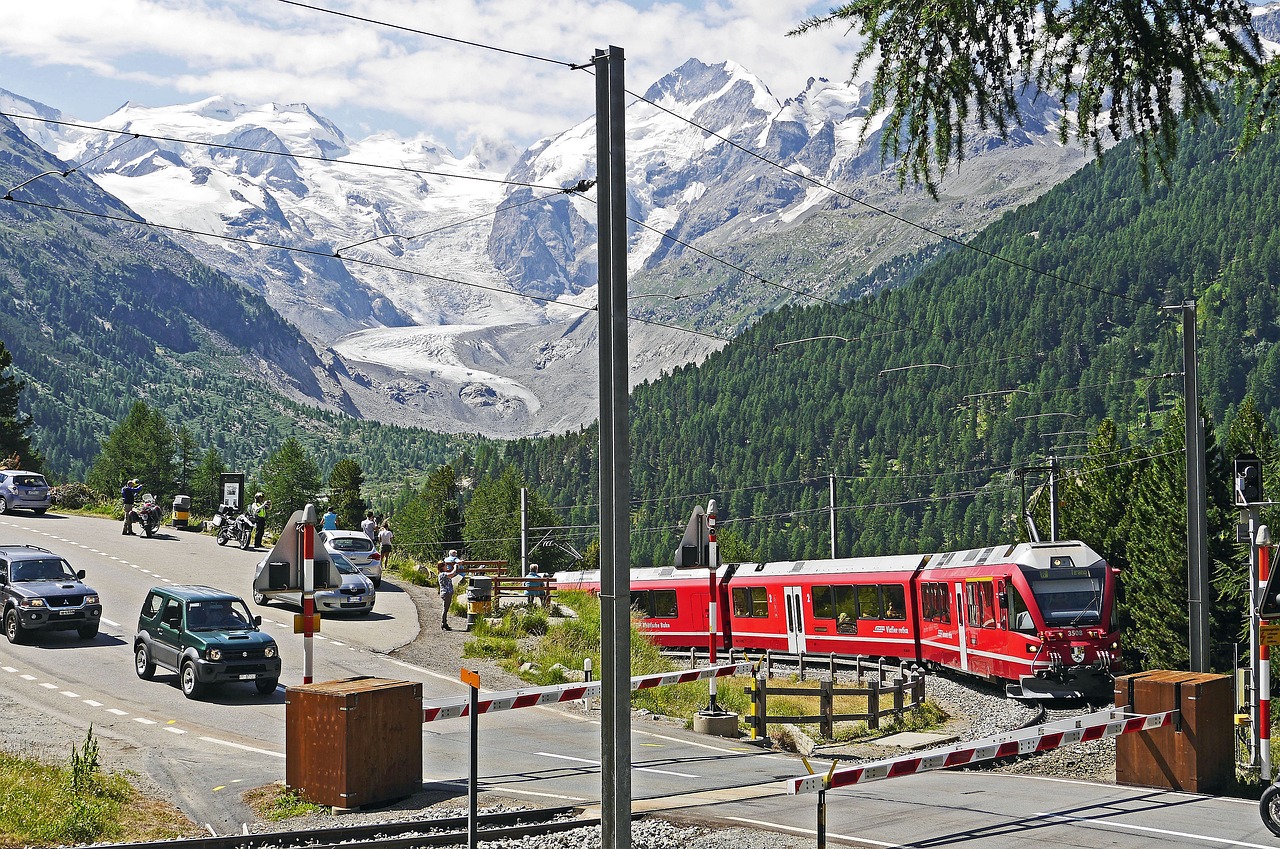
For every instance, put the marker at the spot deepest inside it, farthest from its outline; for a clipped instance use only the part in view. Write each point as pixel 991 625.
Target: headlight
pixel 91 599
pixel 269 651
pixel 31 602
pixel 214 654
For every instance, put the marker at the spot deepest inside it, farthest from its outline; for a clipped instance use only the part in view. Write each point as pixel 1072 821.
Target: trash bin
pixel 181 511
pixel 479 597
pixel 354 742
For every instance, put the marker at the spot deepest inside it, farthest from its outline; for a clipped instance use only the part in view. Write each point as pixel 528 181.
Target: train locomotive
pixel 1039 617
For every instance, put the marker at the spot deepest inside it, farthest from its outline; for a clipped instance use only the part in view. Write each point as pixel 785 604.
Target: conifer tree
pixel 345 483
pixel 15 442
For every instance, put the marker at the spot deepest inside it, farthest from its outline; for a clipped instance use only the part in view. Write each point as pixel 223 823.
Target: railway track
pixel 445 831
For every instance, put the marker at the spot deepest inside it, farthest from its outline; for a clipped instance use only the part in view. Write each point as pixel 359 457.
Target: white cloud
pixel 88 56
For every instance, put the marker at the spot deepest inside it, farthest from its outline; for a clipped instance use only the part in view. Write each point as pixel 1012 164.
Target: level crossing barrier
pixel 1038 738
pixel 556 693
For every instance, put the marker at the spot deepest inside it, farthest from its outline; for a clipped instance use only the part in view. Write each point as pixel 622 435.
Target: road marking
pixel 143 720
pixel 244 748
pixel 118 712
pixel 504 789
pixel 8 669
pixel 28 677
pixel 47 685
pixel 70 695
pixel 773 826
pixel 109 622
pixel 92 703
pixel 173 730
pixel 1227 841
pixel 633 766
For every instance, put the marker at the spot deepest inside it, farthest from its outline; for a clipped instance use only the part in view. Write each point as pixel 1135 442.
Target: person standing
pixel 258 510
pixel 449 570
pixel 330 521
pixel 128 494
pixel 536 588
pixel 384 541
pixel 370 526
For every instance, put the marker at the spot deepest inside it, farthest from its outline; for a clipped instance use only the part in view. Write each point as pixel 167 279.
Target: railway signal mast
pixel 1264 598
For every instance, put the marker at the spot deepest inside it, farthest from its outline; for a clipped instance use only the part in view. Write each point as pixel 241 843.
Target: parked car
pixel 24 491
pixel 347 590
pixel 357 548
pixel 205 635
pixel 39 591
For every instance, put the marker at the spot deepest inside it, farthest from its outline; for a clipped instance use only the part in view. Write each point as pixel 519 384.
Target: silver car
pixel 353 593
pixel 357 548
pixel 25 491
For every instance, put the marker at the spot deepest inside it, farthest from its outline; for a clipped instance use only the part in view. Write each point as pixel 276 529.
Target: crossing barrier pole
pixel 472 680
pixel 1264 665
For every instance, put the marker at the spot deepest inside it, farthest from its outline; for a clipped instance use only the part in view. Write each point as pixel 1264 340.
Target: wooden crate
pixel 1194 753
pixel 354 742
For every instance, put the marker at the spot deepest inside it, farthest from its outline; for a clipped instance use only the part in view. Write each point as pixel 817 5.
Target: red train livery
pixel 1040 617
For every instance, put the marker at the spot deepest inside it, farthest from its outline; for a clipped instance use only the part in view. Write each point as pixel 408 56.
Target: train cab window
pixel 980 598
pixel 640 603
pixel 751 602
pixel 869 602
pixel 895 606
pixel 664 604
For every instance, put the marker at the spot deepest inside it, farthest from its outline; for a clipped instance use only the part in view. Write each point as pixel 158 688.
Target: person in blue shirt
pixel 330 520
pixel 128 494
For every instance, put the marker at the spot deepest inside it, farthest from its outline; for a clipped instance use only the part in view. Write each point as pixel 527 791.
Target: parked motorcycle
pixel 1269 807
pixel 233 527
pixel 147 514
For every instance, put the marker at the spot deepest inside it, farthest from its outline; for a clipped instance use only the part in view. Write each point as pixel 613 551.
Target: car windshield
pixel 1068 597
pixel 47 569
pixel 342 564
pixel 351 543
pixel 218 615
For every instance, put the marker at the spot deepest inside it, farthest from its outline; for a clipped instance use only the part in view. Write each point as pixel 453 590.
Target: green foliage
pixel 345 483
pixel 85 765
pixel 290 479
pixel 288 803
pixel 427 522
pixel 75 496
pixel 490 647
pixel 492 527
pixel 206 483
pixel 141 446
pixel 15 441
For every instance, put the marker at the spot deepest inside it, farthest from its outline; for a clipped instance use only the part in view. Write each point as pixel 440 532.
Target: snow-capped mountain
pixel 388 255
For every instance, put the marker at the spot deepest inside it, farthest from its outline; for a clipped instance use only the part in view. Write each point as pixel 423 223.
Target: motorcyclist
pixel 259 512
pixel 128 494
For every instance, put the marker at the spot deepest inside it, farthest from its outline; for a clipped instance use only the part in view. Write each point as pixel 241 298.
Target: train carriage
pixel 1040 617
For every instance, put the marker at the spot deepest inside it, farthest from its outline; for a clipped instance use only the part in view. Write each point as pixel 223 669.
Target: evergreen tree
pixel 15 442
pixel 345 483
pixel 492 524
pixel 206 483
pixel 187 451
pixel 141 446
pixel 291 480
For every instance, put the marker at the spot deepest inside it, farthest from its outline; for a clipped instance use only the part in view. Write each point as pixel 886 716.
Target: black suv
pixel 205 635
pixel 41 592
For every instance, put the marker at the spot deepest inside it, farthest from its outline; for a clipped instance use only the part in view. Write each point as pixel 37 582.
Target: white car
pixel 349 591
pixel 357 548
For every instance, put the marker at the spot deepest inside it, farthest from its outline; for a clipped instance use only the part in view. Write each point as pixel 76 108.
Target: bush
pixel 75 496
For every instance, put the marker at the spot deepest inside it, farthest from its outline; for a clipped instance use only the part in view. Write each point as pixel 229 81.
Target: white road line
pixel 70 695
pixel 1087 821
pixel 143 720
pixel 8 669
pixel 636 768
pixel 118 712
pixel 502 788
pixel 244 748
pixel 173 730
pixel 48 686
pixel 28 677
pixel 109 622
pixel 92 703
pixel 773 826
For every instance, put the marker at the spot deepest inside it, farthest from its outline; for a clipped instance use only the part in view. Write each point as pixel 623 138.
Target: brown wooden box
pixel 1197 756
pixel 354 742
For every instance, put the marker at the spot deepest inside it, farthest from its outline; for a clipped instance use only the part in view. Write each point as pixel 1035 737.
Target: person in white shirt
pixel 370 526
pixel 384 540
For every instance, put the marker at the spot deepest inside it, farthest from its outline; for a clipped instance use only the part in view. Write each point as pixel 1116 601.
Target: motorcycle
pixel 147 515
pixel 1269 807
pixel 232 527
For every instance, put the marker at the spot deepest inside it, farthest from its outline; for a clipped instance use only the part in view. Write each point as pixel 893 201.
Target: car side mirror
pixel 80 574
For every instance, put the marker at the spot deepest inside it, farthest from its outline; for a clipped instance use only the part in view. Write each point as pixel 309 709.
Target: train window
pixel 942 603
pixel 846 599
pixel 640 603
pixel 760 602
pixel 824 606
pixel 980 597
pixel 751 602
pixel 895 606
pixel 741 602
pixel 664 604
pixel 869 602
pixel 1019 615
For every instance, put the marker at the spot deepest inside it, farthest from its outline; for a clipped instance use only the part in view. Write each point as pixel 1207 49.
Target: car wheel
pixel 377 582
pixel 13 630
pixel 39 511
pixel 88 632
pixel 4 505
pixel 266 686
pixel 259 598
pixel 142 663
pixel 191 686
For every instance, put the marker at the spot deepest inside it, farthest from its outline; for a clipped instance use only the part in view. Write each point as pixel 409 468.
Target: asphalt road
pixel 204 751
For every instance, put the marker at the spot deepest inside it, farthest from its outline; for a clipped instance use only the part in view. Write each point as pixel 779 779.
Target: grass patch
pixel 53 805
pixel 275 802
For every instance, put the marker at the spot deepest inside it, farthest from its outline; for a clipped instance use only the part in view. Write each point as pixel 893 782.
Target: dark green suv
pixel 205 635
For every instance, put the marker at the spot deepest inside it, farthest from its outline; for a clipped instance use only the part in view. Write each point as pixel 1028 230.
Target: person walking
pixel 384 541
pixel 449 570
pixel 330 520
pixel 258 510
pixel 128 494
pixel 370 526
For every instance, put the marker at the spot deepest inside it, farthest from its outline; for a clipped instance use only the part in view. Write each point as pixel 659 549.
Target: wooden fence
pixel 911 686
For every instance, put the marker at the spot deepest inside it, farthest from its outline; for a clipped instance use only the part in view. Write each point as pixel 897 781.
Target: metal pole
pixel 308 590
pixel 1262 553
pixel 1053 498
pixel 524 531
pixel 713 559
pixel 831 497
pixel 1249 516
pixel 615 484
pixel 472 679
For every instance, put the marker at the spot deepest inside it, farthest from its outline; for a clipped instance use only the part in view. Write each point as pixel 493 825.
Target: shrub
pixel 75 496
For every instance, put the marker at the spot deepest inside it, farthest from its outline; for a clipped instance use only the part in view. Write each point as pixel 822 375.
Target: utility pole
pixel 831 493
pixel 524 531
pixel 1197 512
pixel 615 454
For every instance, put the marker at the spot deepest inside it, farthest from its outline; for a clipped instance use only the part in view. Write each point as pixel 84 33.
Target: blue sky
pixel 87 57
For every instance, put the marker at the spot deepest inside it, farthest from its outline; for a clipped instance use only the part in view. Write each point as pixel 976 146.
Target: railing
pixel 826 693
pixel 805 662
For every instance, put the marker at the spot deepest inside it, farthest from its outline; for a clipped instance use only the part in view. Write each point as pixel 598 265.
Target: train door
pixel 793 596
pixel 983 630
pixel 961 630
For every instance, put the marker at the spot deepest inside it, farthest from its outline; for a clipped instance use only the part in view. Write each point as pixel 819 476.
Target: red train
pixel 1040 617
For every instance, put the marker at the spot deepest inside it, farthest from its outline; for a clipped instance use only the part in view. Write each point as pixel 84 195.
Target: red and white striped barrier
pixel 1040 738
pixel 533 696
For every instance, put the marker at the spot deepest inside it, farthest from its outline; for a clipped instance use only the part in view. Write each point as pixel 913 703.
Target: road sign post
pixel 472 680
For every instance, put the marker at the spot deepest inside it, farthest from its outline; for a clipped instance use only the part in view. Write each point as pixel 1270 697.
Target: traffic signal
pixel 1248 481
